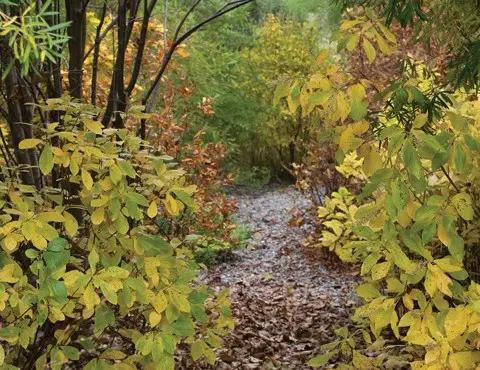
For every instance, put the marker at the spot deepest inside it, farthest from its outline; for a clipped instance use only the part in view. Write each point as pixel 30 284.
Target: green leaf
pixel 412 160
pixel 400 195
pixel 104 317
pixel 138 199
pixel 56 260
pixel 9 332
pixel 46 160
pixel 184 327
pixel 412 241
pixel 460 158
pixel 154 245
pixel 57 245
pixel 321 360
pixel 367 291
pixel 127 169
pixel 71 352
pixel 184 197
pixel 358 110
pixel 144 344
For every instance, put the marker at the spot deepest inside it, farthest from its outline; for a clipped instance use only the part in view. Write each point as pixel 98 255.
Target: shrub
pixel 418 213
pixel 75 273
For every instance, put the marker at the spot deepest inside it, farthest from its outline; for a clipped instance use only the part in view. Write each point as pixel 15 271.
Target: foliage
pixel 100 277
pixel 241 77
pixel 212 251
pixel 31 37
pixel 418 223
pixel 338 222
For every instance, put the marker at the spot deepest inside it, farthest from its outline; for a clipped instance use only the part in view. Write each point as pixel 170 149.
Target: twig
pixel 450 179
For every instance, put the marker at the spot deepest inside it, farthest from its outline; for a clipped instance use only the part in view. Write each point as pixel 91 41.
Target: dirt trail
pixel 285 302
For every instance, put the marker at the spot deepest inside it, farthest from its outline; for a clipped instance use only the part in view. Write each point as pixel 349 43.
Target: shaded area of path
pixel 285 302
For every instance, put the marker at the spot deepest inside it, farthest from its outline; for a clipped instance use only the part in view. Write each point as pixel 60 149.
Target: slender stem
pixel 96 55
pixel 102 36
pixel 450 179
pixel 168 56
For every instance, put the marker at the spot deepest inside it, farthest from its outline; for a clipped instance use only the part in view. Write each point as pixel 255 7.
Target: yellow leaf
pixel 87 180
pixel 420 120
pixel 380 270
pixel 442 280
pixel 99 202
pixel 154 318
pixel 28 143
pixel 352 42
pixel 29 230
pixel 115 173
pixel 159 302
pixel 71 224
pixel 369 50
pixel 357 91
pixel 171 205
pixel 444 235
pixel 429 283
pixel 383 45
pixel 90 297
pixel 342 108
pixel 347 24
pixel 39 241
pixel 346 139
pixel 10 243
pixel 6 274
pixel 113 354
pixel 372 159
pixel 152 210
pixel 94 126
pixel 98 216
pixel 456 322
pixel 387 33
pixel 50 217
pixel 408 302
pixel 418 338
pixel 463 204
pixel 412 207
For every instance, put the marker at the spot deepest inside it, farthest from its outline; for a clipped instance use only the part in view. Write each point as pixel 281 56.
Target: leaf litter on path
pixel 286 298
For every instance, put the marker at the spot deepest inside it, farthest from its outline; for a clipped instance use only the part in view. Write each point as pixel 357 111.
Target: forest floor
pixel 286 298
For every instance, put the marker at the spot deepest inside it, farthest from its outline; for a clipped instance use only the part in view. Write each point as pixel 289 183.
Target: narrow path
pixel 286 302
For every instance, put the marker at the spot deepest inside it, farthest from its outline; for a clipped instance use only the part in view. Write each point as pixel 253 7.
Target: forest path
pixel 286 299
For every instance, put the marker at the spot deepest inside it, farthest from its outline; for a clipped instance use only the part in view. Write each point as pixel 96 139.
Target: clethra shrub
pixel 86 276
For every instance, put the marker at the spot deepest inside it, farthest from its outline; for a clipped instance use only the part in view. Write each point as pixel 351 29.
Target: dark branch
pixel 96 54
pixel 168 56
pixel 102 36
pixel 141 45
pixel 182 21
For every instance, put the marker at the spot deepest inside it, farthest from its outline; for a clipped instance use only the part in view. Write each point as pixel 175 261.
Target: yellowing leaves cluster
pixel 82 273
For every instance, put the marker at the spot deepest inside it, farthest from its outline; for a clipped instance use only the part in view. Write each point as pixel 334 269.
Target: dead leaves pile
pixel 286 303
